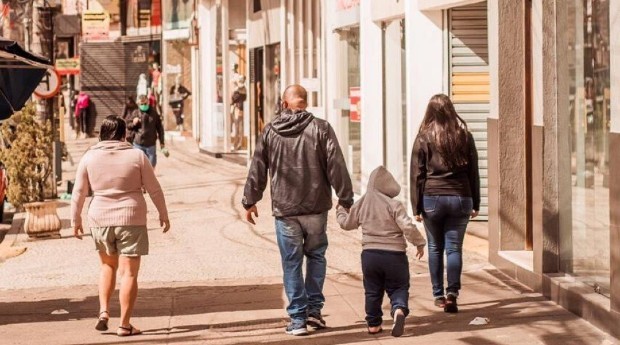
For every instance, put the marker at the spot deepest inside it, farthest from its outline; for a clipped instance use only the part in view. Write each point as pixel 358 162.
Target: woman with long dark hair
pixel 116 173
pixel 445 193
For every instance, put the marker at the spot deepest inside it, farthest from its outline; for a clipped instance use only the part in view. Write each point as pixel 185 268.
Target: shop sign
pixel 96 25
pixel 346 4
pixel 49 85
pixel 69 66
pixel 355 110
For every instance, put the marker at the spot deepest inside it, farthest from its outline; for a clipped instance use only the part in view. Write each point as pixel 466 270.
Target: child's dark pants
pixel 385 271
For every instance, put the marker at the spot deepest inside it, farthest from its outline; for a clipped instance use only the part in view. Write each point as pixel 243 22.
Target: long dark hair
pixel 446 130
pixel 112 128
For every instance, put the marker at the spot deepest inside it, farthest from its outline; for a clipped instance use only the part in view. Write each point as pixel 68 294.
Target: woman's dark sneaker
pixel 451 306
pixel 316 321
pixel 440 302
pixel 297 328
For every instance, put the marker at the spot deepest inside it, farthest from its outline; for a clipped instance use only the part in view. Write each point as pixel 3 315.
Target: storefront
pixel 343 82
pixel 550 138
pixel 173 81
pixel 223 70
pixel 114 68
pixel 280 46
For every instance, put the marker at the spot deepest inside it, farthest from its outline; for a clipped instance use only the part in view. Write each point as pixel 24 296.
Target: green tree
pixel 26 154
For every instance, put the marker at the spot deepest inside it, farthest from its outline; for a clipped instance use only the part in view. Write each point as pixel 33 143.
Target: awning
pixel 20 73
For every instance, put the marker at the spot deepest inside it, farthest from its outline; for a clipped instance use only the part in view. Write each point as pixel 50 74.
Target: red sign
pixel 355 109
pixel 347 4
pixel 155 13
pixel 49 85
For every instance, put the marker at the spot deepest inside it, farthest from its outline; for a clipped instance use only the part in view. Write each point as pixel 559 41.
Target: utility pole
pixel 45 25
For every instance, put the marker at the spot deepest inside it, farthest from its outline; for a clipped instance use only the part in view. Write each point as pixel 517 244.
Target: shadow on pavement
pixel 152 302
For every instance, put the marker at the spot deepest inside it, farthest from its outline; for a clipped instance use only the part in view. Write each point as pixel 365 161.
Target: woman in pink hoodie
pixel 81 114
pixel 116 173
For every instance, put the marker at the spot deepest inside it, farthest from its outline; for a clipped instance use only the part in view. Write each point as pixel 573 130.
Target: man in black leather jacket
pixel 304 159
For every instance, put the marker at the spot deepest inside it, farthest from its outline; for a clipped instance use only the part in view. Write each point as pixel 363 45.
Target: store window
pixel 354 113
pixel 143 17
pixel 587 253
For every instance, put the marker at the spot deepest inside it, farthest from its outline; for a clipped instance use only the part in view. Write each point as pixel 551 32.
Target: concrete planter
pixel 42 220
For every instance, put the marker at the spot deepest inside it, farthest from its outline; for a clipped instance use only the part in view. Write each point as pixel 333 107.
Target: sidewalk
pixel 250 312
pixel 215 279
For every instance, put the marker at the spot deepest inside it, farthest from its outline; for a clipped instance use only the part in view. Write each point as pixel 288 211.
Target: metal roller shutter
pixel 103 79
pixel 469 79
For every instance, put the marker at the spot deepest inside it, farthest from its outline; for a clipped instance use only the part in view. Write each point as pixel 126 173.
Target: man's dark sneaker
pixel 399 323
pixel 297 328
pixel 440 302
pixel 451 306
pixel 316 321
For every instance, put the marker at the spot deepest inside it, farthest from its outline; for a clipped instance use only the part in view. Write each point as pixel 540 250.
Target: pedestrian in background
pixel 117 215
pixel 147 126
pixel 128 110
pixel 445 193
pixel 303 157
pixel 82 106
pixel 385 226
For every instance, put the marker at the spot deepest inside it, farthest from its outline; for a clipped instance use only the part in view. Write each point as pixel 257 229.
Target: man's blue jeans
pixel 300 236
pixel 445 220
pixel 150 152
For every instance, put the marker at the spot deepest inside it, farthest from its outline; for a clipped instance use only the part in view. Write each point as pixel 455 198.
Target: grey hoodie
pixel 384 221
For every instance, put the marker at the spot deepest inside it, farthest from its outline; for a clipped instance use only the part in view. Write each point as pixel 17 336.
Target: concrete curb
pixel 6 246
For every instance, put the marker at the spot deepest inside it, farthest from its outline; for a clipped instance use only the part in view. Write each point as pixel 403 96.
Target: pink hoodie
pixel 83 102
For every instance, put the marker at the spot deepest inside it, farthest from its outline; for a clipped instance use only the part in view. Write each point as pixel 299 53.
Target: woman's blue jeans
pixel 445 220
pixel 300 236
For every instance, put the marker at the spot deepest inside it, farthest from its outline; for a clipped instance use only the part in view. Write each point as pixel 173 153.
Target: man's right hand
pixel 248 214
pixel 136 120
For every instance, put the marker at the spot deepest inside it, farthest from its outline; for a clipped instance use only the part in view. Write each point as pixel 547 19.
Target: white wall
pixel 371 92
pixel 493 23
pixel 435 5
pixel 264 26
pixel 614 31
pixel 206 25
pixel 425 66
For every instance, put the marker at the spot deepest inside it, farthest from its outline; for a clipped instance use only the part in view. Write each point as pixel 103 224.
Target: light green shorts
pixel 121 240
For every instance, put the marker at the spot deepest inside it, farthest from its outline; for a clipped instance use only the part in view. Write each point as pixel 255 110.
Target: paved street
pixel 215 279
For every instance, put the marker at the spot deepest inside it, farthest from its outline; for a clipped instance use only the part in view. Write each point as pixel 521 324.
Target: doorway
pixel 257 116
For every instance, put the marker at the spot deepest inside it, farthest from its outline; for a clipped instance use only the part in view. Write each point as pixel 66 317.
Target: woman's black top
pixel 429 174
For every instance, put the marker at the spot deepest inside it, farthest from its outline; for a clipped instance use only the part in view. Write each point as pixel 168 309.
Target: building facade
pixel 553 208
pixel 179 66
pixel 535 80
pixel 120 44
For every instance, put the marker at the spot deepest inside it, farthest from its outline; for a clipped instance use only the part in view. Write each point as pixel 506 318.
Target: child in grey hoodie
pixel 385 226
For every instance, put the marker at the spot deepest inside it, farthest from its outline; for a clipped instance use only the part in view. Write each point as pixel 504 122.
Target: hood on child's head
pixel 382 181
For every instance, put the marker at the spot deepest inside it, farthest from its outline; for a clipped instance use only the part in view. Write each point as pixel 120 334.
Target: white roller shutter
pixel 468 62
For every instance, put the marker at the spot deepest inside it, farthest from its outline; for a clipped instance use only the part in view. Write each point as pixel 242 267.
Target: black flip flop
pixel 399 324
pixel 102 323
pixel 131 330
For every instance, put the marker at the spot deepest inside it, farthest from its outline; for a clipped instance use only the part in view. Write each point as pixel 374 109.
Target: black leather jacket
pixel 303 157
